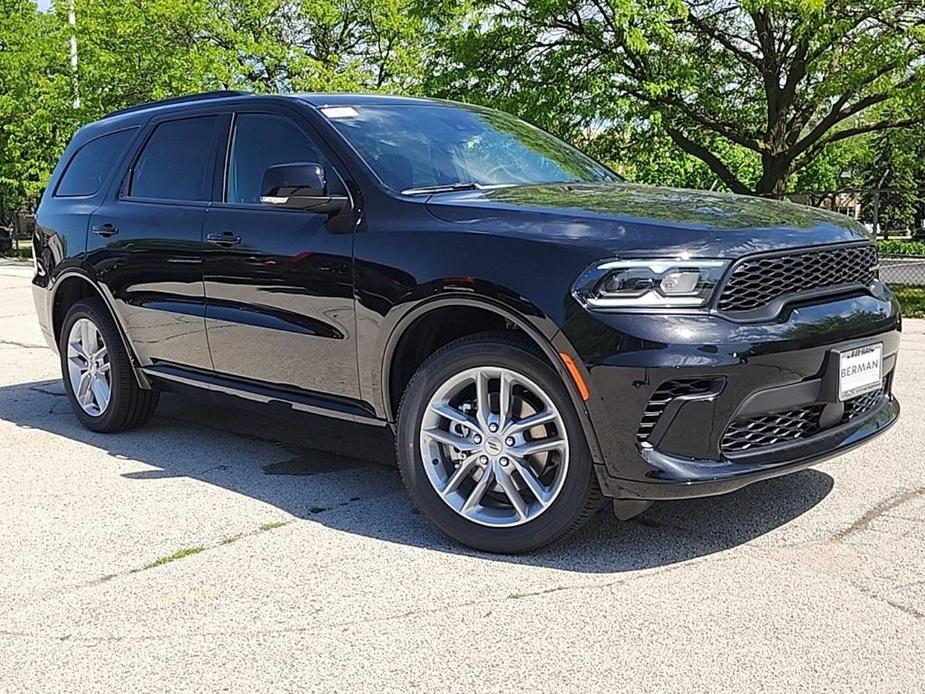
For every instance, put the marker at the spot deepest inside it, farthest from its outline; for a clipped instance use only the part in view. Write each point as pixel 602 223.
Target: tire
pixel 128 404
pixel 568 494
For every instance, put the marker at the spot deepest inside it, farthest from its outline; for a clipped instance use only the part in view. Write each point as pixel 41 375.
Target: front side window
pixel 419 146
pixel 93 162
pixel 176 162
pixel 262 140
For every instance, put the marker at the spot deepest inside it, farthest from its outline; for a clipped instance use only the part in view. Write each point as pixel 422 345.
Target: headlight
pixel 676 283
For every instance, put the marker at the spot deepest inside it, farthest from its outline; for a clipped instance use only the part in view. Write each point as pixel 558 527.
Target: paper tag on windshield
pixel 339 111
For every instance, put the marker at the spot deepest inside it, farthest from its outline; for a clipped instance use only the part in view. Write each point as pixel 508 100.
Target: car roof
pixel 138 115
pixel 359 99
pixel 318 100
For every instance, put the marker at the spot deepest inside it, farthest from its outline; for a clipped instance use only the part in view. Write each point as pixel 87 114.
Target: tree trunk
pixel 775 174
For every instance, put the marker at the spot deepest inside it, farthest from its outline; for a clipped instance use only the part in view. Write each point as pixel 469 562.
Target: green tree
pixel 895 168
pixel 133 51
pixel 768 84
pixel 35 118
pixel 138 50
pixel 324 45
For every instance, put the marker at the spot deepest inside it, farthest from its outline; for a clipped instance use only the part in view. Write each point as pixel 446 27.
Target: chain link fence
pixel 897 218
pixel 906 277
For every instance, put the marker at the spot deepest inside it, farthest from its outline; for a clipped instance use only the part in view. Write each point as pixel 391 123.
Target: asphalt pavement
pixel 221 550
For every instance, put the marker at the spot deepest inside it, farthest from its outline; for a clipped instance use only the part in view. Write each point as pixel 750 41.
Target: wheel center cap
pixel 493 446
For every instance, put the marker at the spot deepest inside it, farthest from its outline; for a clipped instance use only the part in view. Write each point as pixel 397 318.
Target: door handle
pixel 225 238
pixel 105 229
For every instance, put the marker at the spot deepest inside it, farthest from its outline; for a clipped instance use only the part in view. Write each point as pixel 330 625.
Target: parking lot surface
pixel 219 549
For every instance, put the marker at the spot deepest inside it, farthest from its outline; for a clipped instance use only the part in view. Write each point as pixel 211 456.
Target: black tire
pixel 580 496
pixel 129 405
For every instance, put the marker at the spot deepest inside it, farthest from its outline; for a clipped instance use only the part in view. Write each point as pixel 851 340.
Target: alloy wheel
pixel 88 367
pixel 494 446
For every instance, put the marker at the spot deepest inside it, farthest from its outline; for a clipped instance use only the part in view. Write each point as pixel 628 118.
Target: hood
pixel 622 217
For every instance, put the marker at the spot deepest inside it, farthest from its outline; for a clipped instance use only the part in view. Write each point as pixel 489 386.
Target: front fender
pixel 538 327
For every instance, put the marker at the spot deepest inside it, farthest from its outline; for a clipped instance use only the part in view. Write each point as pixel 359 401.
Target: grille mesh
pixel 755 283
pixel 777 427
pixel 766 430
pixel 665 393
pixel 862 404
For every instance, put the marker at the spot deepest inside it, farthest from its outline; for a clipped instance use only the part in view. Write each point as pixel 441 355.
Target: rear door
pixel 279 282
pixel 145 241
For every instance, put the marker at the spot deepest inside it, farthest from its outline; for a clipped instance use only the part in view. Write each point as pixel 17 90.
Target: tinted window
pixel 428 145
pixel 261 141
pixel 176 161
pixel 93 163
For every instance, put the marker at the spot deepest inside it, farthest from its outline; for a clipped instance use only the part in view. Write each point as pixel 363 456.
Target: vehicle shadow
pixel 343 475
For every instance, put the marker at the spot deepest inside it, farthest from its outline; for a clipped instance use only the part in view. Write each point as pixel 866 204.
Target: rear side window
pixel 93 162
pixel 175 164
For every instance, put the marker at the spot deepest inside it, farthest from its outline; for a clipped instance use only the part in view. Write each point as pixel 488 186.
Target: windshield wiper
pixel 442 188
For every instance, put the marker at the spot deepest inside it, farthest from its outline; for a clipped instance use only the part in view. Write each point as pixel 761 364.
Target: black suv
pixel 538 333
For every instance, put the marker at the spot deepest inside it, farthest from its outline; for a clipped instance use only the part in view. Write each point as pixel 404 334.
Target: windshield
pixel 433 146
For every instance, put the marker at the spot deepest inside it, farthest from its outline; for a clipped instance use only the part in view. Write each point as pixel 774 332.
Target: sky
pixel 43 4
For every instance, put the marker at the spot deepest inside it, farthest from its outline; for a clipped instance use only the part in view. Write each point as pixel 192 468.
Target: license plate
pixel 860 371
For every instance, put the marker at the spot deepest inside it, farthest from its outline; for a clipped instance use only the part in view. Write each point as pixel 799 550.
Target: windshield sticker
pixel 339 111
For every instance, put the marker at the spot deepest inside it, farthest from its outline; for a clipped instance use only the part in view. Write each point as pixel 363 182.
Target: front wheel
pixel 490 447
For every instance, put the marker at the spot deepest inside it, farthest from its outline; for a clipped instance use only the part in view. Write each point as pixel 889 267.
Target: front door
pixel 278 282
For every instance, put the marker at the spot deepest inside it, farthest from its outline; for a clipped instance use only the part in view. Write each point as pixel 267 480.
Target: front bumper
pixel 729 373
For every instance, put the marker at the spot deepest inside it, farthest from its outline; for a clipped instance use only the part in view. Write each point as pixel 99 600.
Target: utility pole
pixel 72 22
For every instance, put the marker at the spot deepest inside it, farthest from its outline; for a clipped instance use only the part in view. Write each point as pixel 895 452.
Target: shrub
pixel 894 247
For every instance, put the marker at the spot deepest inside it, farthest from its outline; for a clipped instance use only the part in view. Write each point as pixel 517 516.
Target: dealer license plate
pixel 860 371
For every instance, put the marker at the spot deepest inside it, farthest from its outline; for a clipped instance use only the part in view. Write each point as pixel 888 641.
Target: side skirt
pixel 313 403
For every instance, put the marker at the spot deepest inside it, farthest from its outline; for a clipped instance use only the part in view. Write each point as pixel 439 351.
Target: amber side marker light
pixel 576 376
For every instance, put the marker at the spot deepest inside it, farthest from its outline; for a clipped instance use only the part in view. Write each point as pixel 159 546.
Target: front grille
pixel 778 427
pixel 755 283
pixel 665 393
pixel 862 404
pixel 766 430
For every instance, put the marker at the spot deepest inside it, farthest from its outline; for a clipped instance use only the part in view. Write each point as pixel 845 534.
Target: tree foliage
pixel 730 82
pixel 750 95
pixel 35 117
pixel 132 51
pixel 895 176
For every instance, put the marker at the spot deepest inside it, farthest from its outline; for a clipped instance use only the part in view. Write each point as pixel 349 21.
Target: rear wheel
pixel 491 449
pixel 97 371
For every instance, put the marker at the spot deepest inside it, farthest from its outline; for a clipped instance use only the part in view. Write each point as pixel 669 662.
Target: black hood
pixel 645 220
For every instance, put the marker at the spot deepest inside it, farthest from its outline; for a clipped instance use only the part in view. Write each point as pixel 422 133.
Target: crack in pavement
pixel 885 506
pixel 364 621
pixel 38 389
pixel 871 593
pixel 862 524
pixel 23 345
pixel 74 587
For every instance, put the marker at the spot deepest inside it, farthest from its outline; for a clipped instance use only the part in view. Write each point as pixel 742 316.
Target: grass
pixel 911 298
pixel 273 525
pixel 179 554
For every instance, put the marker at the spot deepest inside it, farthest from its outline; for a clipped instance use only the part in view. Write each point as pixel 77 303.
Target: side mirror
pixel 299 187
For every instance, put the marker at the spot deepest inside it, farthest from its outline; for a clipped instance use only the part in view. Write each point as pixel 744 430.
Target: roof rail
pixel 189 98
